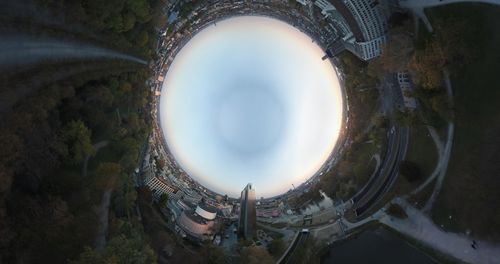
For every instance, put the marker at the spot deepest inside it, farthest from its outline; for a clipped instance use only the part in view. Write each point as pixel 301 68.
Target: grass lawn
pixel 470 192
pixel 422 150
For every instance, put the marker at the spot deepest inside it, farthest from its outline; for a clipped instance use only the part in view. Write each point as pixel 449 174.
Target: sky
pixel 249 100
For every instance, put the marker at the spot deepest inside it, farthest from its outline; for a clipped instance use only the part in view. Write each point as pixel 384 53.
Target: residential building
pixel 159 186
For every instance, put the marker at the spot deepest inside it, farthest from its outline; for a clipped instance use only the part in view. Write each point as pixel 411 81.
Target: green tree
pixel 77 145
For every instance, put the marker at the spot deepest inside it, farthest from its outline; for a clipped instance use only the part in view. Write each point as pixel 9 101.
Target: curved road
pixel 418 6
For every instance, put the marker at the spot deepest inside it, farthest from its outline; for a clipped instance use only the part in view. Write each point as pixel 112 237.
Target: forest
pixel 71 144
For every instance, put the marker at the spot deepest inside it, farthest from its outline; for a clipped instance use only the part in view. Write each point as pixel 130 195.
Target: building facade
pixel 248 219
pixel 360 26
pixel 198 224
pixel 159 186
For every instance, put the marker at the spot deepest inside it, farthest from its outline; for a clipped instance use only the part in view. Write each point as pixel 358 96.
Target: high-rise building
pixel 360 25
pixel 247 221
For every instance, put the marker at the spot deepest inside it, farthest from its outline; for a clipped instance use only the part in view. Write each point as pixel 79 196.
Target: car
pixel 305 230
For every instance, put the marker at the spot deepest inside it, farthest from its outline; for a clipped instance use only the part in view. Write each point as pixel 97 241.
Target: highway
pixel 387 173
pixel 289 255
pixel 381 181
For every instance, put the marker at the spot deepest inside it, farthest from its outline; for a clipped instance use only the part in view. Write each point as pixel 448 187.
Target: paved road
pixel 297 243
pixel 387 174
pixel 380 183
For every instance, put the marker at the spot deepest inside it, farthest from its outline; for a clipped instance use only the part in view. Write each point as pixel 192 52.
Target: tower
pixel 247 220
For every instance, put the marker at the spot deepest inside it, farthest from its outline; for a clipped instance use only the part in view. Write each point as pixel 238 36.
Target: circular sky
pixel 249 100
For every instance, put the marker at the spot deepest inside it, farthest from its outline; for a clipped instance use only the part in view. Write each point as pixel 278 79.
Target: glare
pixel 251 100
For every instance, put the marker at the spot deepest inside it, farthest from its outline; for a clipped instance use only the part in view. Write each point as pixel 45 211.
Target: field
pixel 470 192
pixel 422 150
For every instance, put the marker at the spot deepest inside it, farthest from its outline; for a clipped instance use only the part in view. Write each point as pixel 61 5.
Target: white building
pixel 325 5
pixel 360 25
pixel 406 88
pixel 159 186
pixel 303 2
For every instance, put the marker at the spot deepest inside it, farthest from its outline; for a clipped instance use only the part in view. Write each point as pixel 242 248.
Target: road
pixel 381 181
pixel 388 172
pixel 290 253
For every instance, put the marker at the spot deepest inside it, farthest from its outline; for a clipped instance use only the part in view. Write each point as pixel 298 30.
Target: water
pixel 376 246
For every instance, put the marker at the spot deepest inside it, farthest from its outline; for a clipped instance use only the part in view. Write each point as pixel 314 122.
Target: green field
pixel 422 150
pixel 470 192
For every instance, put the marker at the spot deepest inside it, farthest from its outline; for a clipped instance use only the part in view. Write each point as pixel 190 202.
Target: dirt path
pixel 97 146
pixel 102 230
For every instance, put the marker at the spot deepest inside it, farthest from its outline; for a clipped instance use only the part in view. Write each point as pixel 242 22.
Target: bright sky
pixel 250 101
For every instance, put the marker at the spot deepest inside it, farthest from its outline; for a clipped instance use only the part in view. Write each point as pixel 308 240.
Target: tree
pixel 308 252
pixel 406 117
pixel 108 174
pixel 120 249
pixel 77 145
pixel 255 255
pixel 398 51
pixel 426 66
pixel 214 255
pixel 276 247
pixel 410 170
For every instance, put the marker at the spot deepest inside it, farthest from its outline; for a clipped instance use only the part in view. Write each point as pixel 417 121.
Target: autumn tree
pixel 398 51
pixel 108 174
pixel 255 255
pixel 446 49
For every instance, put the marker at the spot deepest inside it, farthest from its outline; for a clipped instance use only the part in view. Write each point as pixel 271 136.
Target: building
pixel 406 89
pixel 159 186
pixel 359 25
pixel 248 219
pixel 198 224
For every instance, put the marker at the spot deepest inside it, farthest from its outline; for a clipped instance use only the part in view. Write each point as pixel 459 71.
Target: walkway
pixel 97 146
pixel 422 228
pixel 418 6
